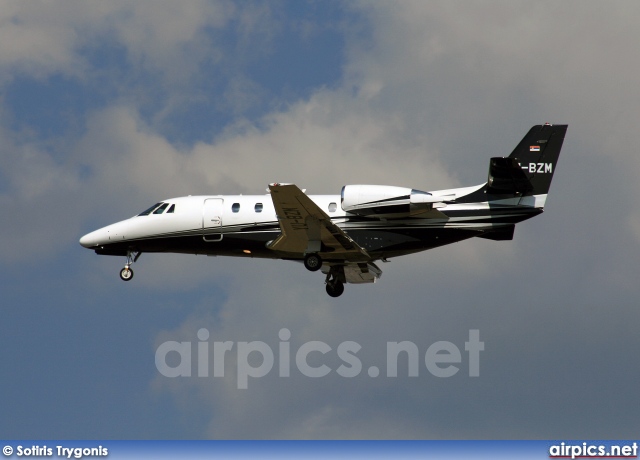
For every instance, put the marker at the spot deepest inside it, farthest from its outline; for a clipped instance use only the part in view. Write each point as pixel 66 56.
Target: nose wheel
pixel 126 274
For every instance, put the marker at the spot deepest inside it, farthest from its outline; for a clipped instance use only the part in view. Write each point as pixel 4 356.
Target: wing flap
pixel 356 273
pixel 362 273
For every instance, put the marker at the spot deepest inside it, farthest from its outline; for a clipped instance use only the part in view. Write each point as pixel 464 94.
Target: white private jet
pixel 343 235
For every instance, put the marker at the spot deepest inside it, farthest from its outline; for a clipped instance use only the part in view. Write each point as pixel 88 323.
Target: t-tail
pixel 530 167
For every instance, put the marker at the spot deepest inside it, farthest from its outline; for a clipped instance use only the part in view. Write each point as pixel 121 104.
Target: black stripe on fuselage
pixel 379 243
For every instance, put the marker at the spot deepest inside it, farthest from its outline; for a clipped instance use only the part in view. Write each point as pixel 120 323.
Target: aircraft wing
pixel 307 229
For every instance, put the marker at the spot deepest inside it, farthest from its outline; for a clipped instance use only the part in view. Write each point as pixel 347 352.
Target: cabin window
pixel 148 211
pixel 333 207
pixel 258 207
pixel 161 209
pixel 235 207
pixel 171 209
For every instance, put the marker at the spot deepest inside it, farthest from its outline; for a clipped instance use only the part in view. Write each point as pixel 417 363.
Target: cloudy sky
pixel 108 107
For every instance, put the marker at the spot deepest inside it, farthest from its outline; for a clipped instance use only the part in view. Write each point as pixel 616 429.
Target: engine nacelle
pixel 386 200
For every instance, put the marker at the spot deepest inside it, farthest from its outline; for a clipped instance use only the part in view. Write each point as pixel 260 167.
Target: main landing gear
pixel 335 278
pixel 126 274
pixel 312 262
pixel 335 288
pixel 335 281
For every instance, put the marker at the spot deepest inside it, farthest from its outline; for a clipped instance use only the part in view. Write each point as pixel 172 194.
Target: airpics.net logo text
pixel 257 359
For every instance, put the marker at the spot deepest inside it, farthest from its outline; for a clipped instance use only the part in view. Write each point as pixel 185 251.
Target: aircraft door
pixel 212 219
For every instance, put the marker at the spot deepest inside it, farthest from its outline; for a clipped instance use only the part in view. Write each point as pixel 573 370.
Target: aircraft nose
pixel 90 240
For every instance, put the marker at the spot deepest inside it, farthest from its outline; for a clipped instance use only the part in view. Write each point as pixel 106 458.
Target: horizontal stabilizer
pixel 506 176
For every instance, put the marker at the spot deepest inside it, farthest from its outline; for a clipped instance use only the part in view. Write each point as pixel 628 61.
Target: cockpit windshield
pixel 148 211
pixel 161 209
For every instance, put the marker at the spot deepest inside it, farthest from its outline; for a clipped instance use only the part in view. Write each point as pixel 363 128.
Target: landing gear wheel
pixel 335 289
pixel 126 274
pixel 312 262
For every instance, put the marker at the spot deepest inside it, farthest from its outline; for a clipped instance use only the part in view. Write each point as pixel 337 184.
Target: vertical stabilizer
pixel 537 154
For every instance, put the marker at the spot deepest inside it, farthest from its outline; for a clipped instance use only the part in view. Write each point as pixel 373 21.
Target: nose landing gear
pixel 126 274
